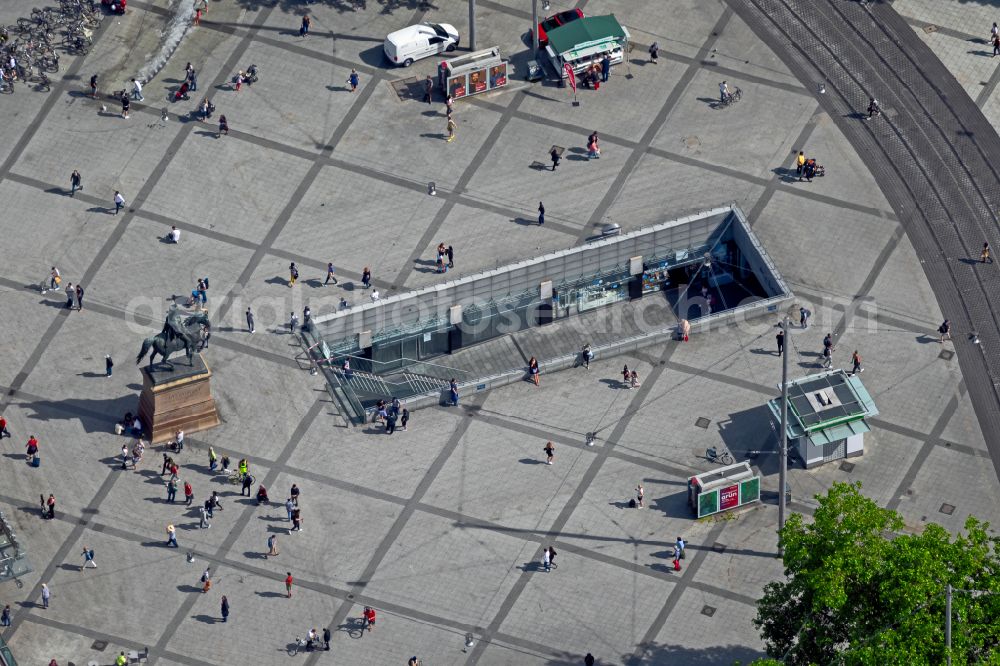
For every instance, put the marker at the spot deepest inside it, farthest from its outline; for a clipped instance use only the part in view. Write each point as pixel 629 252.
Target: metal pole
pixel 472 25
pixel 947 623
pixel 534 28
pixel 783 443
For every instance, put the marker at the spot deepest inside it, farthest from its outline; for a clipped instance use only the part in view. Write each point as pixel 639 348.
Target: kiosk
pixel 726 488
pixel 586 41
pixel 472 74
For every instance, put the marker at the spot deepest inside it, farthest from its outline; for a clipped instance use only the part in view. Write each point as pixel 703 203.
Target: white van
pixel 419 41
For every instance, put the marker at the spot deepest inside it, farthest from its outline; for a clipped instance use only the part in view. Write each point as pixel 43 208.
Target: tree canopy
pixel 858 590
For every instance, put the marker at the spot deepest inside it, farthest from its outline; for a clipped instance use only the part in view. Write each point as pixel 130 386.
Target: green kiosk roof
pixel 586 31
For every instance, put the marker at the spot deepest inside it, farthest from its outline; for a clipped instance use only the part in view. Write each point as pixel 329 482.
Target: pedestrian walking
pixel 192 79
pixel 108 364
pixel 223 126
pixel 75 182
pixel 654 52
pixel 125 104
pixel 605 68
pixel 827 357
pixel 171 490
pixel 213 460
pixel 288 584
pixel 293 274
pixel 856 362
pixel 293 322
pixel 780 339
pixel 453 392
pixel 171 536
pixel 996 45
pixel 296 520
pixel 800 162
pixel 451 129
pixel 119 201
pixel 330 274
pixel 304 28
pixel 206 580
pixel 681 545
pixel 51 504
pixel 546 559
pixel 326 638
pixel 984 256
pixel 79 296
pixel 366 277
pixel 448 103
pixel 404 418
pixel 225 609
pixel 197 16
pixel 203 514
pixel 70 293
pixel 677 558
pixel 137 91
pixel 88 558
pixel 46 595
pixel 250 320
pixel 804 315
pixel 634 379
pixel 533 369
pixel 541 213
pixel 354 80
pixel 640 493
pixel 945 330
pixel 272 545
pixel 554 155
pixel 550 452
pixel 188 494
pixel 247 484
pixel 93 86
pixel 626 377
pixel 179 440
pixel 428 89
pixel 5 616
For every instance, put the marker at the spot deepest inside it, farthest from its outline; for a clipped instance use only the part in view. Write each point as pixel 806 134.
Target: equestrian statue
pixel 178 333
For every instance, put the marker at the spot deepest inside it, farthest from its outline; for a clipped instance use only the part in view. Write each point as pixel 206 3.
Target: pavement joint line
pixel 54 95
pixel 304 185
pixel 932 440
pixel 79 525
pixel 463 181
pixel 772 183
pixel 632 161
pixel 601 455
pixel 401 520
pixel 910 326
pixel 676 592
pixel 125 643
pixel 238 527
pixel 866 286
pixel 988 90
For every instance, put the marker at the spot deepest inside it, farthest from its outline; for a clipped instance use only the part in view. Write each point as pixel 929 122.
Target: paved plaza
pixel 441 527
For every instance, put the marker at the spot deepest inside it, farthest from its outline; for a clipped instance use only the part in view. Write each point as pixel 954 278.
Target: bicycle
pixel 723 458
pixel 235 478
pixel 299 645
pixel 732 98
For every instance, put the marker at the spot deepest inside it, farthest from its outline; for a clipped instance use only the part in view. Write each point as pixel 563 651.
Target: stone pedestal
pixel 178 398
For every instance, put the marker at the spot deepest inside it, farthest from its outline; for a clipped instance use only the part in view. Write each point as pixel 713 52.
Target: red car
pixel 555 21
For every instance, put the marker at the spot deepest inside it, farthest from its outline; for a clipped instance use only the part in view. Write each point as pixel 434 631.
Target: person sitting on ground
pixel 175 235
pixel 262 495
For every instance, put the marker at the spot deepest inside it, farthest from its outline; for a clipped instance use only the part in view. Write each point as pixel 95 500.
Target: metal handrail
pixel 400 360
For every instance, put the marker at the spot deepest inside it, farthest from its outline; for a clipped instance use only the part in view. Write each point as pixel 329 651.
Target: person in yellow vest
pixel 121 660
pixel 800 163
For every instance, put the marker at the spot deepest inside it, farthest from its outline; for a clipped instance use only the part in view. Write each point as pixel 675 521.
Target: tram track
pixel 928 152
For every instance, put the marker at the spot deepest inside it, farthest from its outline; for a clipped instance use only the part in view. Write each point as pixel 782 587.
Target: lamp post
pixel 783 437
pixel 472 25
pixel 534 27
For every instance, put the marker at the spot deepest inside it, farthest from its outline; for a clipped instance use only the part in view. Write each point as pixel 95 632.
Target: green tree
pixel 858 590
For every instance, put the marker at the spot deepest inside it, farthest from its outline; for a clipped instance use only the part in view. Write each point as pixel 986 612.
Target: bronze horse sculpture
pixel 176 335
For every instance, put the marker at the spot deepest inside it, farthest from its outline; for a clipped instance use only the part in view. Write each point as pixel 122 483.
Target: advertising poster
pixel 729 497
pixel 477 81
pixel 498 75
pixel 456 86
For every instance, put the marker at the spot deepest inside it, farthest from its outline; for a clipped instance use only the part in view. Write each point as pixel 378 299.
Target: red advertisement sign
pixel 729 497
pixel 477 81
pixel 456 86
pixel 570 75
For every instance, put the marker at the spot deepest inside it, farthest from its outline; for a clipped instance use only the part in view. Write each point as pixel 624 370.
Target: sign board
pixel 723 489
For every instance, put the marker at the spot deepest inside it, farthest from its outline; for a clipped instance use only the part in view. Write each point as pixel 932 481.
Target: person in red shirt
pixel 3 428
pixel 31 447
pixel 369 617
pixel 188 493
pixel 288 584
